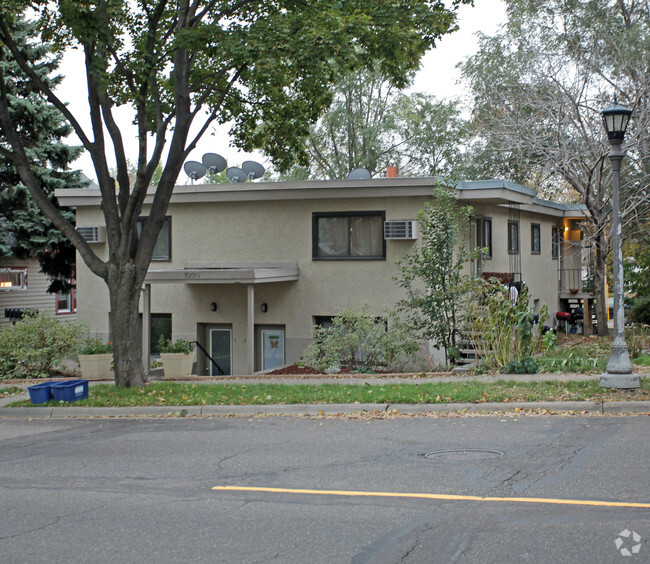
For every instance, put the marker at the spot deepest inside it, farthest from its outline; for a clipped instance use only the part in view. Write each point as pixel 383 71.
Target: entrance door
pixel 272 348
pixel 221 351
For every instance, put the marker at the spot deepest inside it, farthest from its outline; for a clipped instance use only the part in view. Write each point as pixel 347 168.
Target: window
pixel 66 303
pixel 348 236
pixel 513 237
pixel 160 327
pixel 486 235
pixel 556 242
pixel 163 247
pixel 535 238
pixel 13 278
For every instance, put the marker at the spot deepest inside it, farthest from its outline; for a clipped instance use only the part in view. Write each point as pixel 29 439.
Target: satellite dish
pixel 194 170
pixel 359 174
pixel 252 170
pixel 236 174
pixel 214 163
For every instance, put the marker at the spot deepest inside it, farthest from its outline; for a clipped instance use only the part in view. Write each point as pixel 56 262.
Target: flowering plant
pixel 178 346
pixel 95 346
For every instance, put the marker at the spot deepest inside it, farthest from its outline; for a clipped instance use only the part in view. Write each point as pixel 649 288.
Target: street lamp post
pixel 619 367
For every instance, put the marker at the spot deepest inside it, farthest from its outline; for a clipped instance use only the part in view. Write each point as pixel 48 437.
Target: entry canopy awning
pixel 226 273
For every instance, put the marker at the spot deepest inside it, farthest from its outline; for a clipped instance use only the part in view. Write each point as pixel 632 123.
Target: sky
pixel 437 76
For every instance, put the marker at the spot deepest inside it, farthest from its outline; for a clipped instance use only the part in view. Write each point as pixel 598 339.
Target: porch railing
pixel 576 280
pixel 503 277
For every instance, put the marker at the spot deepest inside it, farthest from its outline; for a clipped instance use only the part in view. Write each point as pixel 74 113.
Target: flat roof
pixel 493 191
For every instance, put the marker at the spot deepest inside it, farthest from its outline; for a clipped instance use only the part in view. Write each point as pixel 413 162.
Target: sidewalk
pixel 313 410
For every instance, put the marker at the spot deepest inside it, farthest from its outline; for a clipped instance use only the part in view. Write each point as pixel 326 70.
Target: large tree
pixel 24 230
pixel 265 65
pixel 372 124
pixel 538 88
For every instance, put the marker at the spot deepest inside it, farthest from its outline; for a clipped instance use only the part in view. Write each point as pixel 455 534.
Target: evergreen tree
pixel 24 230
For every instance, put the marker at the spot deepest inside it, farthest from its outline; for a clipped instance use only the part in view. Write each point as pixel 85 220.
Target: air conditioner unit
pixel 400 229
pixel 93 234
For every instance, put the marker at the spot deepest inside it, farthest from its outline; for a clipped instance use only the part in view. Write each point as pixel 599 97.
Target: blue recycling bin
pixel 41 393
pixel 72 390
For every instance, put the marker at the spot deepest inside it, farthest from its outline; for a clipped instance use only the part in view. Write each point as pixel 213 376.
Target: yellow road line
pixel 446 497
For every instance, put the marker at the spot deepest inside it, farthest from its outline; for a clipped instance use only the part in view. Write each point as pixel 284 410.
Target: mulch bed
pixel 294 369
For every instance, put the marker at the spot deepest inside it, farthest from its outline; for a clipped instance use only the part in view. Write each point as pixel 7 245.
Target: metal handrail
pixel 576 280
pixel 214 362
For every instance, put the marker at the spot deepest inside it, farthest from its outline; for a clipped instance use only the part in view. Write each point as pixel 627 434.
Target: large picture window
pixel 13 278
pixel 163 248
pixel 348 236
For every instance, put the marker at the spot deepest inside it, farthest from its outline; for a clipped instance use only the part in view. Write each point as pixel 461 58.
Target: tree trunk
pixel 599 291
pixel 124 290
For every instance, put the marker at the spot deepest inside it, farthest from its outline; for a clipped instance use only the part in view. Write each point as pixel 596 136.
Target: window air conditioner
pixel 400 229
pixel 93 234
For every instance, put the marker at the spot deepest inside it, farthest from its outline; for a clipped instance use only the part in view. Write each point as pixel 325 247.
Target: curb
pixel 315 410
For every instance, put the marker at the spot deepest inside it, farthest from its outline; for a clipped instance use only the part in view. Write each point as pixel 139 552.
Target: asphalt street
pixel 493 488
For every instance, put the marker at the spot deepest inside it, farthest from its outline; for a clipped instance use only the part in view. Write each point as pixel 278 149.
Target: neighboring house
pixel 247 269
pixel 24 287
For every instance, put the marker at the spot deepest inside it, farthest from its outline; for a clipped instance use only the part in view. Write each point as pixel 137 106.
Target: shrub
pixel 502 329
pixel 35 347
pixel 640 311
pixel 359 341
pixel 527 365
pixel 178 346
pixel 637 337
pixel 95 346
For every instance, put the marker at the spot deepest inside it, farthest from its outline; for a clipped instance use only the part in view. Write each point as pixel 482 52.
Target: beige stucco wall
pixel 249 231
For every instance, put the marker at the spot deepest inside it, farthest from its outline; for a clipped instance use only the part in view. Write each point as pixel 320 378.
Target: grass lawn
pixel 10 391
pixel 181 394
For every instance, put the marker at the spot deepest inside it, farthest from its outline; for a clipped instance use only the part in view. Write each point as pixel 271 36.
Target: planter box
pixel 41 393
pixel 72 390
pixel 177 365
pixel 96 366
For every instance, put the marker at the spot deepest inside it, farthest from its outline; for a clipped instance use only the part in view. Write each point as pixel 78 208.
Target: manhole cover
pixel 468 454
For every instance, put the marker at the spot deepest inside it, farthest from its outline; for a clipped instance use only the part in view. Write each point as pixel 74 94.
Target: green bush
pixel 637 337
pixel 527 365
pixel 178 346
pixel 35 347
pixel 358 341
pixel 95 346
pixel 640 311
pixel 501 328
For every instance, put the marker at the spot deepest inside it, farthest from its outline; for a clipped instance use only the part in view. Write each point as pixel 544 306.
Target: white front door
pixel 272 348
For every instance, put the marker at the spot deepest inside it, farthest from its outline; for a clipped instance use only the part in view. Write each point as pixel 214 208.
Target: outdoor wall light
pixel 213 306
pixel 264 307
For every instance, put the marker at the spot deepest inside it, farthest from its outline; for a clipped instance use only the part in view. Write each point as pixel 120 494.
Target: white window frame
pixel 71 300
pixel 7 285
